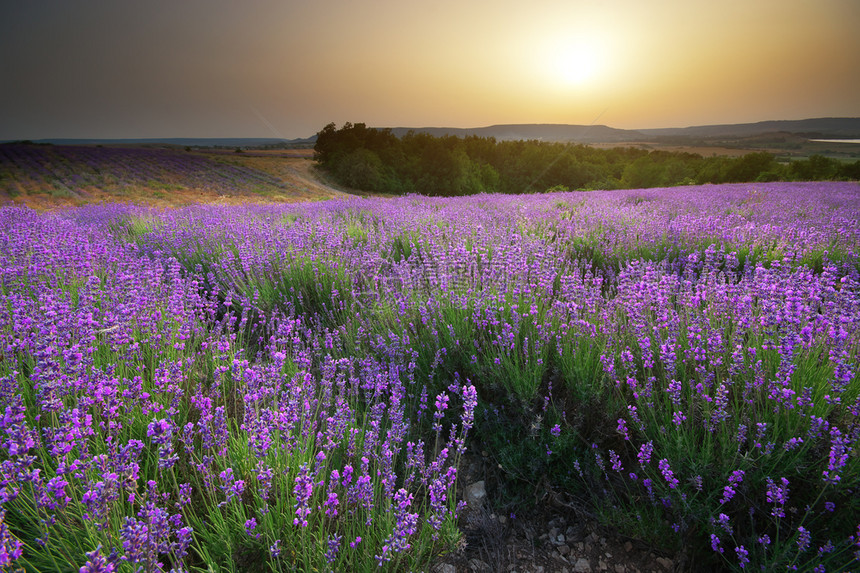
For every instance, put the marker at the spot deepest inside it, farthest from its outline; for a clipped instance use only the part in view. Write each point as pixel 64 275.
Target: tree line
pixel 377 160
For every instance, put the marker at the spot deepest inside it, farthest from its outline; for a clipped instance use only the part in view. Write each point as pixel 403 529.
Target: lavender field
pixel 76 171
pixel 295 387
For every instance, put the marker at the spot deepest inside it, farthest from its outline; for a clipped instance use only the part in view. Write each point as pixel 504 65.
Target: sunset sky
pixel 260 68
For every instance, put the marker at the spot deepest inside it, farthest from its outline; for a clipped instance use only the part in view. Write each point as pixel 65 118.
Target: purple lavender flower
pixel 804 538
pixel 160 431
pixel 332 547
pixel 728 494
pixel 11 549
pixel 97 563
pixel 622 428
pixel 838 456
pixel 743 556
pixel 674 391
pixel 778 496
pixel 303 489
pixel 715 544
pixel 231 487
pixel 668 475
pixel 616 461
pixel 645 451
pixel 725 522
pixel 470 401
pixel 406 524
pixel 331 504
pixel 441 406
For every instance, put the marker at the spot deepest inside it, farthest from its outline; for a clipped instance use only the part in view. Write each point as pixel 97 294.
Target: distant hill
pixel 826 127
pixel 836 127
pixel 537 131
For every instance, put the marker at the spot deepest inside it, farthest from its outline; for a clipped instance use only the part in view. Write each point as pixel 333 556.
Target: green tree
pixel 643 172
pixel 361 169
pixel 816 168
pixel 748 167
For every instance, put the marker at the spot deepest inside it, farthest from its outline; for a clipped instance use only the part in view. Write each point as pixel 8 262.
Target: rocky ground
pixel 553 537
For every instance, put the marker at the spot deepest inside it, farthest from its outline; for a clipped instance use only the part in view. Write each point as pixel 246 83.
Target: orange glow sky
pixel 219 68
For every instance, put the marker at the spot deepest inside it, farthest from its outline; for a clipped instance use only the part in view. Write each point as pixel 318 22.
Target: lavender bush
pixel 291 387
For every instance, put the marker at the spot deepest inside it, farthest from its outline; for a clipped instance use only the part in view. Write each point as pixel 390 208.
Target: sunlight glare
pixel 575 61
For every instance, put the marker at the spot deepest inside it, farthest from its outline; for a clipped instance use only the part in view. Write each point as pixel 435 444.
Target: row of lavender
pixel 77 168
pixel 687 356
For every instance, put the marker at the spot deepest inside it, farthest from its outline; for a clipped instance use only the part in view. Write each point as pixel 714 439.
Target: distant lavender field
pixel 64 170
pixel 278 388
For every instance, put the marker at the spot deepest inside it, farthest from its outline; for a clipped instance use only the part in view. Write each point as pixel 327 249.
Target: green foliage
pixel 376 160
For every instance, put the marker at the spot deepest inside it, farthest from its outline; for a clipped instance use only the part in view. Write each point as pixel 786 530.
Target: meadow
pixel 295 387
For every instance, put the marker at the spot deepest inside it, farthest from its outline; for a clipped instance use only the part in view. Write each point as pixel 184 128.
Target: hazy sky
pixel 260 68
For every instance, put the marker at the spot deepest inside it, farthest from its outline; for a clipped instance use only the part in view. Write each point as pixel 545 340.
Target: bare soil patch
pixel 557 535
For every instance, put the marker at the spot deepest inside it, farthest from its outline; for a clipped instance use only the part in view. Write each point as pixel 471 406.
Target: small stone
pixel 564 549
pixel 608 555
pixel 475 493
pixel 628 547
pixel 580 546
pixel 553 532
pixel 665 563
pixel 560 538
pixel 582 566
pixel 601 565
pixel 539 569
pixel 445 568
pixel 479 566
pixel 619 568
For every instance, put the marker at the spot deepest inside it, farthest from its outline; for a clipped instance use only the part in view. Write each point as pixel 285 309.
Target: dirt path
pixel 296 169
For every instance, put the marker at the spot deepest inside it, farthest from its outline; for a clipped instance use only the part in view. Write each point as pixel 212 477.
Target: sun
pixel 575 61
